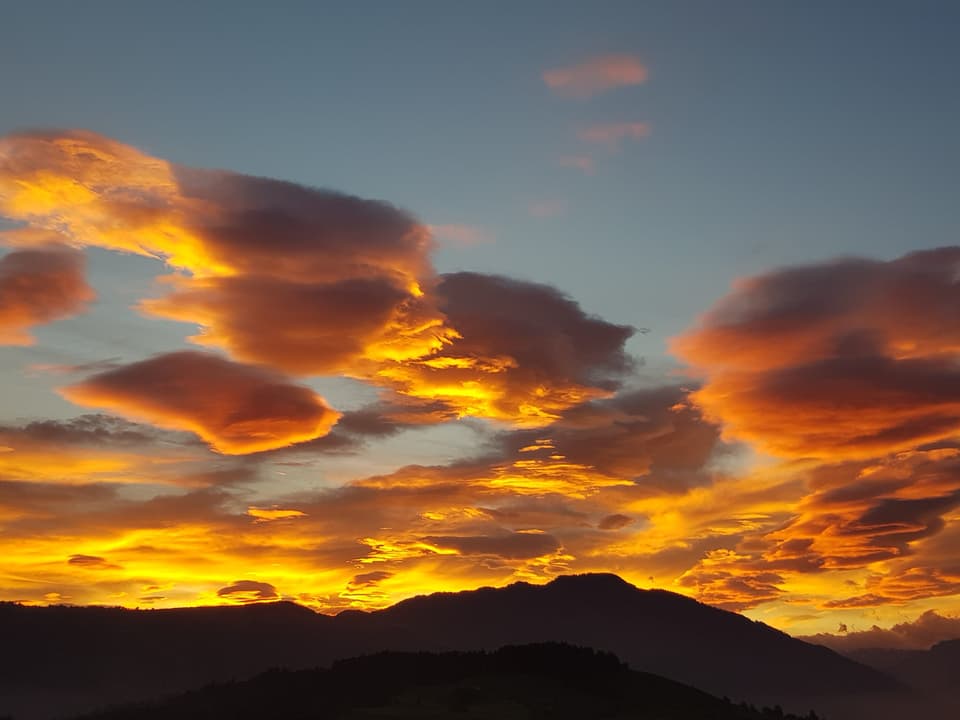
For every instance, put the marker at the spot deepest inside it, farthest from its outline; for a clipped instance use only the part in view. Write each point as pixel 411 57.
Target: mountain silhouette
pixel 62 660
pixel 936 670
pixel 548 680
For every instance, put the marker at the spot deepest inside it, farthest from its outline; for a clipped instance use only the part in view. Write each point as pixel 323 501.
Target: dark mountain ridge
pixel 531 681
pixel 652 630
pixel 66 659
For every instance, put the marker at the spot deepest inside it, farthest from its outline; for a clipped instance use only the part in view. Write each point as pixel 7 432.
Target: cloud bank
pixel 846 369
pixel 921 634
pixel 310 282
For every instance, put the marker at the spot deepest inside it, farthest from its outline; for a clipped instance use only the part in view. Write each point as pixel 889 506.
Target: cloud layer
pixel 841 375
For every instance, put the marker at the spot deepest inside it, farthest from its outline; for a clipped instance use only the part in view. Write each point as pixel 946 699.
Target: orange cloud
pixel 638 434
pixel 904 587
pixel 875 520
pixel 307 329
pixel 520 367
pixel 845 368
pixel 236 408
pixel 721 579
pixel 853 358
pixel 862 536
pixel 856 516
pixel 596 75
pixel 612 134
pixel 38 286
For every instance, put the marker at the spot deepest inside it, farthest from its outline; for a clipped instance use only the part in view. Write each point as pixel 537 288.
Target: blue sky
pixel 781 131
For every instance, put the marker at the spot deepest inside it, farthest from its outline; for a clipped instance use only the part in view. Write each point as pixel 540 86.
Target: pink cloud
pixel 612 133
pixel 547 208
pixel 596 75
pixel 460 235
pixel 580 162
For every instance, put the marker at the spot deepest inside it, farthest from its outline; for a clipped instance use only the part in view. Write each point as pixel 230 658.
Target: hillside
pixel 532 681
pixel 936 670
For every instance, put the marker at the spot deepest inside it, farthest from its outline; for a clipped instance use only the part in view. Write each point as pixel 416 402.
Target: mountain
pixel 652 630
pixel 61 660
pixel 936 670
pixel 531 681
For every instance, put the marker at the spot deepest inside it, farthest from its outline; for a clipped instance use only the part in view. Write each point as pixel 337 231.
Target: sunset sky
pixel 346 302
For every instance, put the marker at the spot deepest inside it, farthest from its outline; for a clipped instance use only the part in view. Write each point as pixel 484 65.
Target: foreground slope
pixel 62 659
pixel 531 681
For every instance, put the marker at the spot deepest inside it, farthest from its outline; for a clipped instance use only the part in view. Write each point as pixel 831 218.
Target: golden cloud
pixel 96 448
pixel 521 367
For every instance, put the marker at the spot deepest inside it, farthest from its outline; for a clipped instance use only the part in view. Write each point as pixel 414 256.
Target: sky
pixel 343 303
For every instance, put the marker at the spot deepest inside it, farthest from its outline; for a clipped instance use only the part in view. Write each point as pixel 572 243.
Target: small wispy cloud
pixel 612 134
pixel 547 208
pixel 595 76
pixel 583 163
pixel 92 562
pixel 459 235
